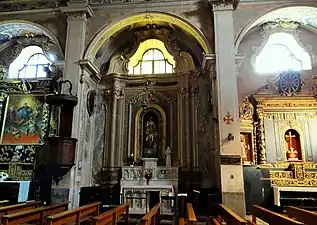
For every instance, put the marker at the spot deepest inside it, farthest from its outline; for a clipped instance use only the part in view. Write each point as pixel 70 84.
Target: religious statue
pixel 243 148
pixel 168 159
pixel 151 134
pixel 292 153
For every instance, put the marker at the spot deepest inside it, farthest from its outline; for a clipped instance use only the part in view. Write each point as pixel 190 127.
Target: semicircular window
pixel 151 58
pixel 30 63
pixel 282 53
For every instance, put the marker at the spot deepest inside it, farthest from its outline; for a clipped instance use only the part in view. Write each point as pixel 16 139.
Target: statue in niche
pixel 151 128
pixel 293 145
pixel 243 148
pixel 151 133
pixel 245 143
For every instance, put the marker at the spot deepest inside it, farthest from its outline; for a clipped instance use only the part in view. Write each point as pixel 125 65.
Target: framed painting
pixel 23 121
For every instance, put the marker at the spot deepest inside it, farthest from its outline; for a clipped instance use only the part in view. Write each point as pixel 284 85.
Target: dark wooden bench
pixel 190 214
pixel 76 216
pixel 5 210
pixel 113 216
pixel 152 217
pixel 33 215
pixel 302 215
pixel 223 213
pixel 271 217
pixel 4 202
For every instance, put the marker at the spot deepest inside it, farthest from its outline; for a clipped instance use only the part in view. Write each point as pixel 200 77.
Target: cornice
pixel 89 68
pixel 219 5
pixel 33 5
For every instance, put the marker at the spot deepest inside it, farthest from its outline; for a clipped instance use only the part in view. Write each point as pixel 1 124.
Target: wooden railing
pixel 112 216
pixel 152 217
pixel 76 216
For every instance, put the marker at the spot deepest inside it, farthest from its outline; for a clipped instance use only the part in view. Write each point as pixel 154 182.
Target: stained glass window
pixel 30 63
pixel 282 53
pixel 152 62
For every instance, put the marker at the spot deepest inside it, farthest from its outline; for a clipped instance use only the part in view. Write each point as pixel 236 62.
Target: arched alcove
pixel 293 145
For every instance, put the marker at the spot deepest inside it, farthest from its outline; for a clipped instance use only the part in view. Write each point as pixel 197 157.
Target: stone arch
pixel 110 29
pixel 255 20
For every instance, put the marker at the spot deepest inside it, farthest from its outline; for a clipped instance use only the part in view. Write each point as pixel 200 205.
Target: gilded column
pixel 232 186
pixel 261 137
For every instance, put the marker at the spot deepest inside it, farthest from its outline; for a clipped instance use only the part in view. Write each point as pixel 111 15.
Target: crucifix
pixel 292 153
pixel 290 137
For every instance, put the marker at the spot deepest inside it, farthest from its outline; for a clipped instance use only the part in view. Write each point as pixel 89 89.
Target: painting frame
pixel 28 125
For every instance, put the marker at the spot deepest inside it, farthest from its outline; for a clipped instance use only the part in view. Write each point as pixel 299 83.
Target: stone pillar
pixel 77 14
pixel 232 186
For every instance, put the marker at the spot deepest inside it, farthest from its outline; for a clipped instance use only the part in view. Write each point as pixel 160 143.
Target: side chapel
pixel 141 101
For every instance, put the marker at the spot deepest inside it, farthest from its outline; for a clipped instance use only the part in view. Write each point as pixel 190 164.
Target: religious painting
pixel 293 145
pixel 23 122
pixel 246 147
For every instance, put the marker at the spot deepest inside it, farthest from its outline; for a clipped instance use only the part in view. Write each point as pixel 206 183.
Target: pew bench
pixel 76 216
pixel 152 217
pixel 5 210
pixel 113 216
pixel 190 214
pixel 4 202
pixel 270 217
pixel 302 215
pixel 223 213
pixel 36 215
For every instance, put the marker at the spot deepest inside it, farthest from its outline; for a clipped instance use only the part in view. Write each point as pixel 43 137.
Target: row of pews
pixel 222 214
pixel 58 214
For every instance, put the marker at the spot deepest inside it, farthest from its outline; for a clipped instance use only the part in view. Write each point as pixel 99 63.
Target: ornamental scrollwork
pixel 246 110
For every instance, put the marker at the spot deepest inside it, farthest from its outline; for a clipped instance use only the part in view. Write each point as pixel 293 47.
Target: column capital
pixel 89 70
pixel 223 5
pixel 79 11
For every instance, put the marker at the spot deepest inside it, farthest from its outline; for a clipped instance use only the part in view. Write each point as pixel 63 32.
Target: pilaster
pixel 82 78
pixel 232 186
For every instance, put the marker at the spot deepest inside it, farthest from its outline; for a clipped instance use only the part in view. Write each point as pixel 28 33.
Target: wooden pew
pixel 18 208
pixel 271 217
pixel 34 215
pixel 78 215
pixel 302 215
pixel 191 214
pixel 113 215
pixel 4 202
pixel 152 217
pixel 222 213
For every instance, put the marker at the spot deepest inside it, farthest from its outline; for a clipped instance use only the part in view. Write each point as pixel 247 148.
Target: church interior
pixel 158 112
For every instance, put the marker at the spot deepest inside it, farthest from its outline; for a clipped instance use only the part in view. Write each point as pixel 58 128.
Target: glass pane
pixel 159 67
pixel 30 71
pixel 147 67
pixel 158 55
pixel 41 72
pixel 137 69
pixel 148 55
pixel 169 68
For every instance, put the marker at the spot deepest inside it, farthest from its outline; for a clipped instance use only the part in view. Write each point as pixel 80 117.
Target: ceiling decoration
pixel 12 30
pixel 304 15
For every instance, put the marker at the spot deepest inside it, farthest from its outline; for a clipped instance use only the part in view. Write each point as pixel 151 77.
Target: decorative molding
pixel 88 68
pixel 230 159
pixel 223 5
pixel 77 11
pixel 7 6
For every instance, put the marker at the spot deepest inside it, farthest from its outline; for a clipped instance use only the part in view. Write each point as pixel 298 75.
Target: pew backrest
pixel 77 215
pixel 302 215
pixel 33 215
pixel 113 215
pixel 271 217
pixel 152 217
pixel 5 210
pixel 191 214
pixel 181 221
pixel 230 217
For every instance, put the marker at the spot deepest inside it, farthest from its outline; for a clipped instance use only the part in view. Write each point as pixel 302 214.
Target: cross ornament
pixel 290 137
pixel 228 119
